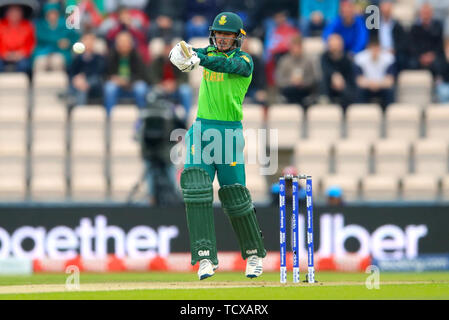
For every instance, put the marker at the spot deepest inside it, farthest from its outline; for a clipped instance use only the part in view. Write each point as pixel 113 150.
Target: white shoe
pixel 254 267
pixel 206 269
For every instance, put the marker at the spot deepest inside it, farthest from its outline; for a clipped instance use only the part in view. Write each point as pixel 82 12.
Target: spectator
pixel 91 12
pixel 125 23
pixel 54 40
pixel 316 14
pixel 375 74
pixel 350 26
pixel 170 80
pixel 198 14
pixel 295 74
pixel 257 91
pixel 442 85
pixel 426 36
pixel 166 19
pixel 126 73
pixel 392 35
pixel 277 42
pixel 17 40
pixel 338 78
pixel 334 196
pixel 86 72
pixel 441 12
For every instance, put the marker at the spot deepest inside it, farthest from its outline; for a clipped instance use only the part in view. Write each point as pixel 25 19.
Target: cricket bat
pixel 185 50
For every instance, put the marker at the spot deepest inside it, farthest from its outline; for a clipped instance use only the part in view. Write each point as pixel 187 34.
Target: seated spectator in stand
pixel 257 91
pixel 426 38
pixel 199 15
pixel 170 80
pixel 442 83
pixel 86 72
pixel 338 77
pixel 54 40
pixel 126 23
pixel 392 35
pixel 375 74
pixel 277 42
pixel 316 14
pixel 334 196
pixel 166 19
pixel 295 75
pixel 126 74
pixel 17 40
pixel 441 12
pixel 350 26
pixel 91 12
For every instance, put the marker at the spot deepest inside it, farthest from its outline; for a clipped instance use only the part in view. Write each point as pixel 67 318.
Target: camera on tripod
pixel 156 122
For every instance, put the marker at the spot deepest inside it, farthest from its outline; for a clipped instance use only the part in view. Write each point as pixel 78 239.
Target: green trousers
pixel 217 147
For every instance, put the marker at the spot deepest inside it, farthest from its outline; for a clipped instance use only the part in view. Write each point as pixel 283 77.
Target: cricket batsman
pixel 227 75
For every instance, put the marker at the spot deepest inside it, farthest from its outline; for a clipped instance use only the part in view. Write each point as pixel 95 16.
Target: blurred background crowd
pixel 305 52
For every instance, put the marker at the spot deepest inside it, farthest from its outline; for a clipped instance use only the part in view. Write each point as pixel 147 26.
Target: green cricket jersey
pixel 226 78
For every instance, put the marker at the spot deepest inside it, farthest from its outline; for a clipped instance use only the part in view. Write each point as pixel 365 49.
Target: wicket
pixel 295 228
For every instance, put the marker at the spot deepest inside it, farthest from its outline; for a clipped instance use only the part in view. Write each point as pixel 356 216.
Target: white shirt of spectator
pixel 386 34
pixel 374 70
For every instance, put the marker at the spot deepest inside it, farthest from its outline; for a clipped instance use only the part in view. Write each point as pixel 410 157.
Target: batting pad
pixel 198 197
pixel 237 204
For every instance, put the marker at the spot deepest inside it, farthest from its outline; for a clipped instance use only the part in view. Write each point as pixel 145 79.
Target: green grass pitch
pixel 225 286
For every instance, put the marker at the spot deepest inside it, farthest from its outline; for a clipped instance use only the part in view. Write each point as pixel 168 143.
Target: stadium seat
pixel 313 157
pixel 100 46
pixel 256 183
pixel 49 81
pixel 12 178
pixel 419 187
pixel 437 119
pixel 13 83
pixel 255 46
pixel 391 157
pixel 352 157
pixel 88 131
pixel 380 188
pixel 287 119
pixel 253 120
pixel 314 46
pixel 253 116
pixel 403 121
pixel 49 114
pixel 349 184
pixel 404 12
pixel 415 86
pixel 363 121
pixel 88 179
pixel 125 173
pixel 48 140
pixel 431 156
pixel 47 86
pixel 324 122
pixel 156 47
pixel 123 124
pixel 13 141
pixel 13 114
pixel 48 179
